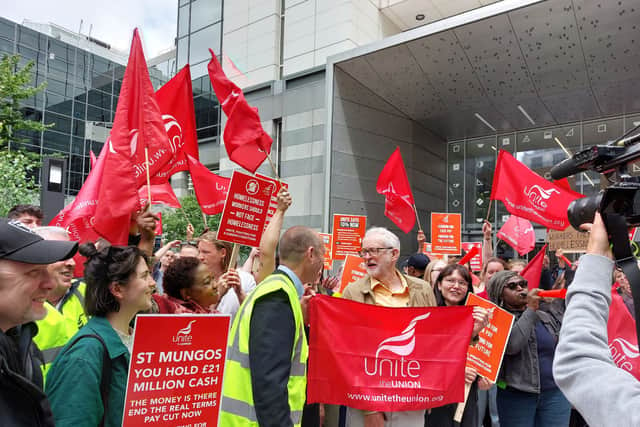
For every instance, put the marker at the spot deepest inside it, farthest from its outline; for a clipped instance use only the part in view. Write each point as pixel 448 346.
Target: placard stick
pixel 234 256
pixel 273 168
pixel 457 417
pixel 417 218
pixel 146 157
pixel 204 219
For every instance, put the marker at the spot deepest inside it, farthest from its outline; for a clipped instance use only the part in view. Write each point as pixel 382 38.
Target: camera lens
pixel 583 210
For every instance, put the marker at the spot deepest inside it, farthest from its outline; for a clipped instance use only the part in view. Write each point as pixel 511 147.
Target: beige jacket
pixel 420 292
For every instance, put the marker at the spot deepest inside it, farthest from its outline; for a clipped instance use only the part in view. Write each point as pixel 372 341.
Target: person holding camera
pixel 604 394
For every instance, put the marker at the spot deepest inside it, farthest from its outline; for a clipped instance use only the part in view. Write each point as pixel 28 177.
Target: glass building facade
pixel 471 163
pixel 81 94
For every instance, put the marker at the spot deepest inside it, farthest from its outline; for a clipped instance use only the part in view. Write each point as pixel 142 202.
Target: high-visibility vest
pixel 57 328
pixel 237 407
pixel 53 334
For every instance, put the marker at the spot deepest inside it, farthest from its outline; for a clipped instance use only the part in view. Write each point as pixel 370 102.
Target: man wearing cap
pixel 417 264
pixel 24 287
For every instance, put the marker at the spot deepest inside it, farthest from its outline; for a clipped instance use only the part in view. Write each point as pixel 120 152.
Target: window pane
pixel 205 12
pixel 183 51
pixel 201 42
pixel 183 21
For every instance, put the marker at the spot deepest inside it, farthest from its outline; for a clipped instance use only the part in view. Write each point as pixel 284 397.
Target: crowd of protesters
pixel 66 342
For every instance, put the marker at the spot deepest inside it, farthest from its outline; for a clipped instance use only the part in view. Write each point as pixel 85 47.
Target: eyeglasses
pixel 451 282
pixel 371 251
pixel 514 285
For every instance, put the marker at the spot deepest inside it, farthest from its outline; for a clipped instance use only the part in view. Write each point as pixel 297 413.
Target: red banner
pixel 519 234
pixel 245 210
pixel 176 370
pixel 386 359
pixel 533 269
pixel 528 195
pixel 623 341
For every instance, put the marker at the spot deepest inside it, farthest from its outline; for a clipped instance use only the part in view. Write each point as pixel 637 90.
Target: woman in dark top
pixel 527 393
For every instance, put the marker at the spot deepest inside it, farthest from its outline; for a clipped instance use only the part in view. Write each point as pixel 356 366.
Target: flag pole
pixel 146 157
pixel 417 217
pixel 489 210
pixel 204 219
pixel 273 168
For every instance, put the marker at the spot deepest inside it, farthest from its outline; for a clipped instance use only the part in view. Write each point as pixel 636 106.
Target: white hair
pixel 51 232
pixel 387 236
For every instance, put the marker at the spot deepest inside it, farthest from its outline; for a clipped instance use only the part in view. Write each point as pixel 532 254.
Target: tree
pixel 174 223
pixel 17 171
pixel 15 87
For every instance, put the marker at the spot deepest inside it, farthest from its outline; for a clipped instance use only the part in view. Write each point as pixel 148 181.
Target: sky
pixel 113 20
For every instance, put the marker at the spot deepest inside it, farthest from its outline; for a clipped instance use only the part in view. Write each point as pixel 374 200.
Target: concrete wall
pixel 365 131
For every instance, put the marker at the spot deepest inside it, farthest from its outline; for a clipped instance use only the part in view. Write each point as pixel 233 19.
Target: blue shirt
pixel 296 281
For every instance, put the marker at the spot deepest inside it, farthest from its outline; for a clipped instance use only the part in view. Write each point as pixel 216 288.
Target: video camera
pixel 621 196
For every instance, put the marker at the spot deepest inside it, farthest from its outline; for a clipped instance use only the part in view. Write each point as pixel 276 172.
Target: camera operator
pixel 604 394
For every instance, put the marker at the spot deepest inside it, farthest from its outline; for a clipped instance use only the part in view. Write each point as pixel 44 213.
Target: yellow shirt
pixel 386 298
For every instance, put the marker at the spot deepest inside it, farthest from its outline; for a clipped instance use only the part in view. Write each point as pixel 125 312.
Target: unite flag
pixel 394 184
pixel 528 195
pixel 386 359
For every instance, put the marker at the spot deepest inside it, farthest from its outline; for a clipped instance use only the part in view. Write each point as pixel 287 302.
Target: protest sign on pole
pixel 348 232
pixel 445 233
pixel 353 270
pixel 273 204
pixel 486 356
pixel 245 210
pixel 326 239
pixel 176 370
pixel 476 261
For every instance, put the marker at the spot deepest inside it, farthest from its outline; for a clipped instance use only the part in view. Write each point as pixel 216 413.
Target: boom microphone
pixel 565 168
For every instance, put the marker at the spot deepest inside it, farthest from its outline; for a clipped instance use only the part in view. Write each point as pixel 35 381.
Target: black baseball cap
pixel 19 243
pixel 418 261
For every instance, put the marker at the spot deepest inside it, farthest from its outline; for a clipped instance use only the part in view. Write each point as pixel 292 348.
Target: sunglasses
pixel 514 285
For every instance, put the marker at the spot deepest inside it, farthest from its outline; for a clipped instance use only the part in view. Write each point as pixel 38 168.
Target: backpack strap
pixel 105 380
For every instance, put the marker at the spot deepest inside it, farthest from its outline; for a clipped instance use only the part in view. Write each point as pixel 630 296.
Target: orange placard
pixel 426 249
pixel 348 231
pixel 353 270
pixel 445 233
pixel 326 239
pixel 486 356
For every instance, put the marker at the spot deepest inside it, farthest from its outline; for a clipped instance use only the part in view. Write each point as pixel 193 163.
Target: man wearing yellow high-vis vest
pixel 265 376
pixel 65 306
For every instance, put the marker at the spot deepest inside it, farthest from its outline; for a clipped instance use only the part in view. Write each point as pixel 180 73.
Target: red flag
pixel 246 141
pixel 211 189
pixel 137 124
pixel 386 359
pixel 394 184
pixel 623 341
pixel 519 234
pixel 532 271
pixel 160 194
pixel 92 157
pixel 528 195
pixel 175 100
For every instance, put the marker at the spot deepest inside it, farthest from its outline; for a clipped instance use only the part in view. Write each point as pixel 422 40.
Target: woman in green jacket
pixel 87 382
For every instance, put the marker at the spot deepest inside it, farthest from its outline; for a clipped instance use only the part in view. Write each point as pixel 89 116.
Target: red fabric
pixel 533 270
pixel 160 194
pixel 472 253
pixel 566 260
pixel 169 305
pixel 554 293
pixel 564 183
pixel 137 124
pixel 354 346
pixel 246 141
pixel 394 184
pixel 519 234
pixel 528 195
pixel 484 294
pixel 211 189
pixel 623 342
pixel 92 157
pixel 175 100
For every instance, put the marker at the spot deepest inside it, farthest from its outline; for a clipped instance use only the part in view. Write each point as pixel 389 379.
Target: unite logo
pixel 538 196
pixel 622 352
pixel 174 132
pixel 404 370
pixel 183 336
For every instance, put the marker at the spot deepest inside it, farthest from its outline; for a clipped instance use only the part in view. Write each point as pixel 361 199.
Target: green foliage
pixel 174 223
pixel 15 86
pixel 17 170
